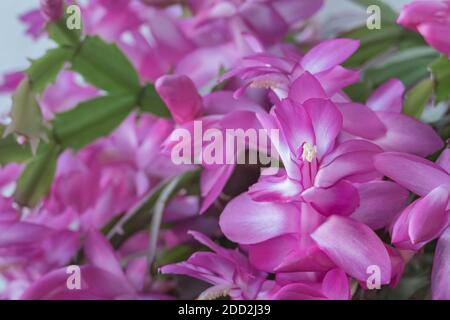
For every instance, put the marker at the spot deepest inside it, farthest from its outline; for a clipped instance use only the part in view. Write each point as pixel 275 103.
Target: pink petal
pixel 256 16
pixel 418 12
pixel 429 216
pixel 180 95
pixel 361 121
pixel 341 198
pixel 353 159
pixel 337 78
pixel 336 285
pixel 11 81
pixel 414 173
pixel 328 54
pixel 380 202
pixel 298 291
pixel 326 121
pixel 306 87
pixel 294 11
pixel 440 277
pixel 276 188
pixel 101 254
pixel 353 247
pixel 388 97
pixel 267 255
pixel 436 35
pixel 247 222
pixel 444 160
pixel 212 182
pixel 407 134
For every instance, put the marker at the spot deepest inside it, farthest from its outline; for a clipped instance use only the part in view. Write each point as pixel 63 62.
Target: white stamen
pixel 309 152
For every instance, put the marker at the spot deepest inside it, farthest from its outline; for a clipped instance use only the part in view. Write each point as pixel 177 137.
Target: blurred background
pixel 16 48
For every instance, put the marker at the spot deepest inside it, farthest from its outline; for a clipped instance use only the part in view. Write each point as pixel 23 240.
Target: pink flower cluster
pixel 431 19
pixel 312 231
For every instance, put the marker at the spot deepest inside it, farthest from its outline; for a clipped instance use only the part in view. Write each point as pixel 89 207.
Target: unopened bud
pixel 26 117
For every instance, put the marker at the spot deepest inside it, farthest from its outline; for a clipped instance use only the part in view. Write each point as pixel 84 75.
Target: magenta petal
pixel 429 216
pixel 361 121
pixel 341 198
pixel 212 182
pixel 256 16
pixel 298 291
pixel 11 81
pixel 267 255
pixel 95 284
pixel 444 160
pixel 380 202
pixel 329 54
pixel 418 12
pixel 353 159
pixel 101 254
pixel 407 134
pixel 436 35
pixel 306 87
pixel 326 121
pixel 336 285
pixel 353 247
pixel 388 97
pixel 283 147
pixel 180 95
pixel 294 11
pixel 440 277
pixel 276 188
pixel 336 78
pixel 247 222
pixel 295 124
pixel 399 230
pixel 308 259
pixel 414 173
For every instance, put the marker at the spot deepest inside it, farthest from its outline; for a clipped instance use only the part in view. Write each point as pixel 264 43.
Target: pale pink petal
pixel 414 173
pixel 328 54
pixel 440 277
pixel 380 202
pixel 181 97
pixel 336 285
pixel 353 247
pixel 247 222
pixel 388 97
pixel 341 198
pixel 407 134
pixel 306 87
pixel 361 121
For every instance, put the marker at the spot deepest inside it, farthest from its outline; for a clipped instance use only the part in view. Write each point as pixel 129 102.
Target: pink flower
pixel 283 74
pixel 29 250
pixel 431 19
pixel 227 270
pixel 428 217
pixel 101 278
